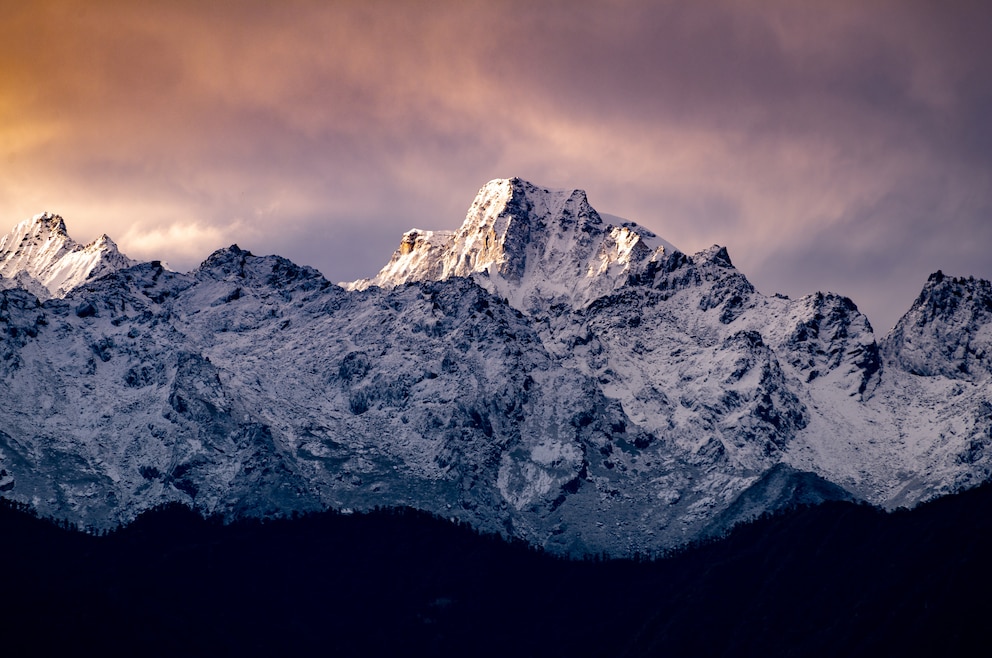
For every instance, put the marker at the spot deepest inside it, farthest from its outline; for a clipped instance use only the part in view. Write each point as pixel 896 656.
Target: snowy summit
pixel 534 245
pixel 44 259
pixel 543 371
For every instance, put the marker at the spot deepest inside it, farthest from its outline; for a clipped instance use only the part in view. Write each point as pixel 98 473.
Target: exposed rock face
pixel 537 372
pixel 536 247
pixel 947 331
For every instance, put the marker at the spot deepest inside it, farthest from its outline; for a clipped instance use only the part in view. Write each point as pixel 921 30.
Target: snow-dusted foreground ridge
pixel 540 372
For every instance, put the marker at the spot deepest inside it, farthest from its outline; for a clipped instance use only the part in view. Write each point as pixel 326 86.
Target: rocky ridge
pixel 536 247
pixel 653 397
pixel 38 255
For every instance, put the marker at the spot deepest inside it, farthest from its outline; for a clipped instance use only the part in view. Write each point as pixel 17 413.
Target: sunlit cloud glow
pixel 829 145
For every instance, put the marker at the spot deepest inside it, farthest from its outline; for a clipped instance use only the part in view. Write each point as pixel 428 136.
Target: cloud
pixel 808 137
pixel 185 240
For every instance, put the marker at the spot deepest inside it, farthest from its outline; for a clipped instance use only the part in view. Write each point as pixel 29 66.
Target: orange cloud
pixel 755 124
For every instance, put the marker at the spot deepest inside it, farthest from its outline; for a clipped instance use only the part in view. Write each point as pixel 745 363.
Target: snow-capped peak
pixel 530 244
pixel 947 331
pixel 46 221
pixel 39 255
pixel 641 399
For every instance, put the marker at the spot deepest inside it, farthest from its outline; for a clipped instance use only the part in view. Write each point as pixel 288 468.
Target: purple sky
pixel 842 146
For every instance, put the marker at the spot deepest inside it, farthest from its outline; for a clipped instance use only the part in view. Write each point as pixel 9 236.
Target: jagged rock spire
pixel 529 243
pixel 39 253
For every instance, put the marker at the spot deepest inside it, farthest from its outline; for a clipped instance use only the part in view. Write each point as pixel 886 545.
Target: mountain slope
pixel 545 384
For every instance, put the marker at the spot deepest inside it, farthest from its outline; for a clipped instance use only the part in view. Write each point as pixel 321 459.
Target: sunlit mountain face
pixel 546 372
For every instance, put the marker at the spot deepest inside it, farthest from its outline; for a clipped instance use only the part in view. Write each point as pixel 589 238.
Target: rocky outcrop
pixel 947 331
pixel 540 373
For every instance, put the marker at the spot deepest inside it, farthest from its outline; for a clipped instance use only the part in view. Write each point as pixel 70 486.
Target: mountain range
pixel 546 372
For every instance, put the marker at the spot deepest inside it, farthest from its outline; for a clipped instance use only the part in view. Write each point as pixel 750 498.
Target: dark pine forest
pixel 837 579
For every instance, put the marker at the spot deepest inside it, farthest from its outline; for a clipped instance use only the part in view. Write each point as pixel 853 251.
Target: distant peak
pixel 48 222
pixel 938 278
pixel 534 245
pixel 716 254
pixel 516 186
pixel 503 202
pixel 102 243
pixel 41 248
pixel 946 331
pixel 224 254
